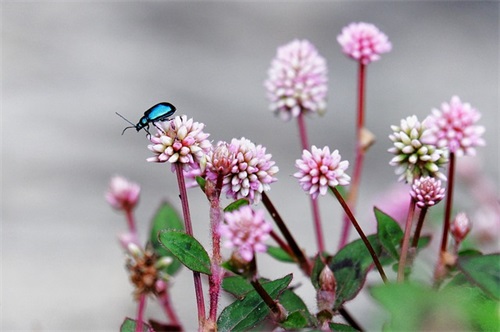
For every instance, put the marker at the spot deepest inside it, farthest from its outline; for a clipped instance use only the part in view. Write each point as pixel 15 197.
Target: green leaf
pixel 129 325
pixel 238 286
pixel 293 303
pixel 317 268
pixel 166 217
pixel 295 320
pixel 415 307
pixel 187 249
pixel 350 267
pixel 483 271
pixel 389 233
pixel 248 312
pixel 201 182
pixel 279 254
pixel 236 205
pixel 342 327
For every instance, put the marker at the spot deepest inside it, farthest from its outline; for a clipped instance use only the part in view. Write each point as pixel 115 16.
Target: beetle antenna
pixel 127 128
pixel 121 116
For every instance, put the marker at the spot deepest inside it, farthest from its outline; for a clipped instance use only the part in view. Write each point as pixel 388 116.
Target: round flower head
pixel 427 191
pixel 453 127
pixel 122 194
pixel 413 157
pixel 246 231
pixel 320 169
pixel 363 42
pixel 297 80
pixel 220 160
pixel 179 141
pixel 251 172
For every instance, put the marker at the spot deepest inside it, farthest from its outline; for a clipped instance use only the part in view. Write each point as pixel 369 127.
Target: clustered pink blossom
pixel 180 140
pixel 413 156
pixel 427 191
pixel 363 42
pixel 246 231
pixel 122 194
pixel 320 169
pixel 453 127
pixel 297 80
pixel 220 160
pixel 248 171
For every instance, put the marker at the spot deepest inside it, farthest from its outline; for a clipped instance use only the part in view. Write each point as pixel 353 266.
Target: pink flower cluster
pixel 427 191
pixel 122 194
pixel 320 169
pixel 248 171
pixel 180 140
pixel 246 231
pixel 297 80
pixel 363 42
pixel 453 127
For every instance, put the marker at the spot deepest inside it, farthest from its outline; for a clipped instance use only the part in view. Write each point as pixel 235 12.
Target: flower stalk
pixel 406 242
pixel 140 312
pixel 297 252
pixel 215 279
pixel 200 302
pixel 449 202
pixel 355 223
pixel 318 229
pixel 360 155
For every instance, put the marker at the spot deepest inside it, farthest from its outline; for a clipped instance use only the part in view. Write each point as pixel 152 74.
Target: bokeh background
pixel 67 67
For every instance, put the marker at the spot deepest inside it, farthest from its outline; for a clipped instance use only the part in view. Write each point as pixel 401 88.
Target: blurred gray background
pixel 67 67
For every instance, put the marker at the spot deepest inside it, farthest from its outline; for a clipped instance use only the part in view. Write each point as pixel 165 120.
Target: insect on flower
pixel 159 112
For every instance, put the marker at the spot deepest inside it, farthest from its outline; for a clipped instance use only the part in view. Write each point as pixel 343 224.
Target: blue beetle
pixel 159 112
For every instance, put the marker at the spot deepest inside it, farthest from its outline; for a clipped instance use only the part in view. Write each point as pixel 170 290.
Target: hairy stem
pixel 215 279
pixel 200 302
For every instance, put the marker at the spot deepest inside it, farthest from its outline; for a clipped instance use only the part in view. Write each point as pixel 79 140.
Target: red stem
pixel 215 279
pixel 282 244
pixel 303 261
pixel 406 242
pixel 167 306
pixel 449 200
pixel 140 313
pixel 360 155
pixel 130 221
pixel 200 302
pixel 314 202
pixel 355 223
pixel 302 131
pixel 441 269
pixel 418 230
